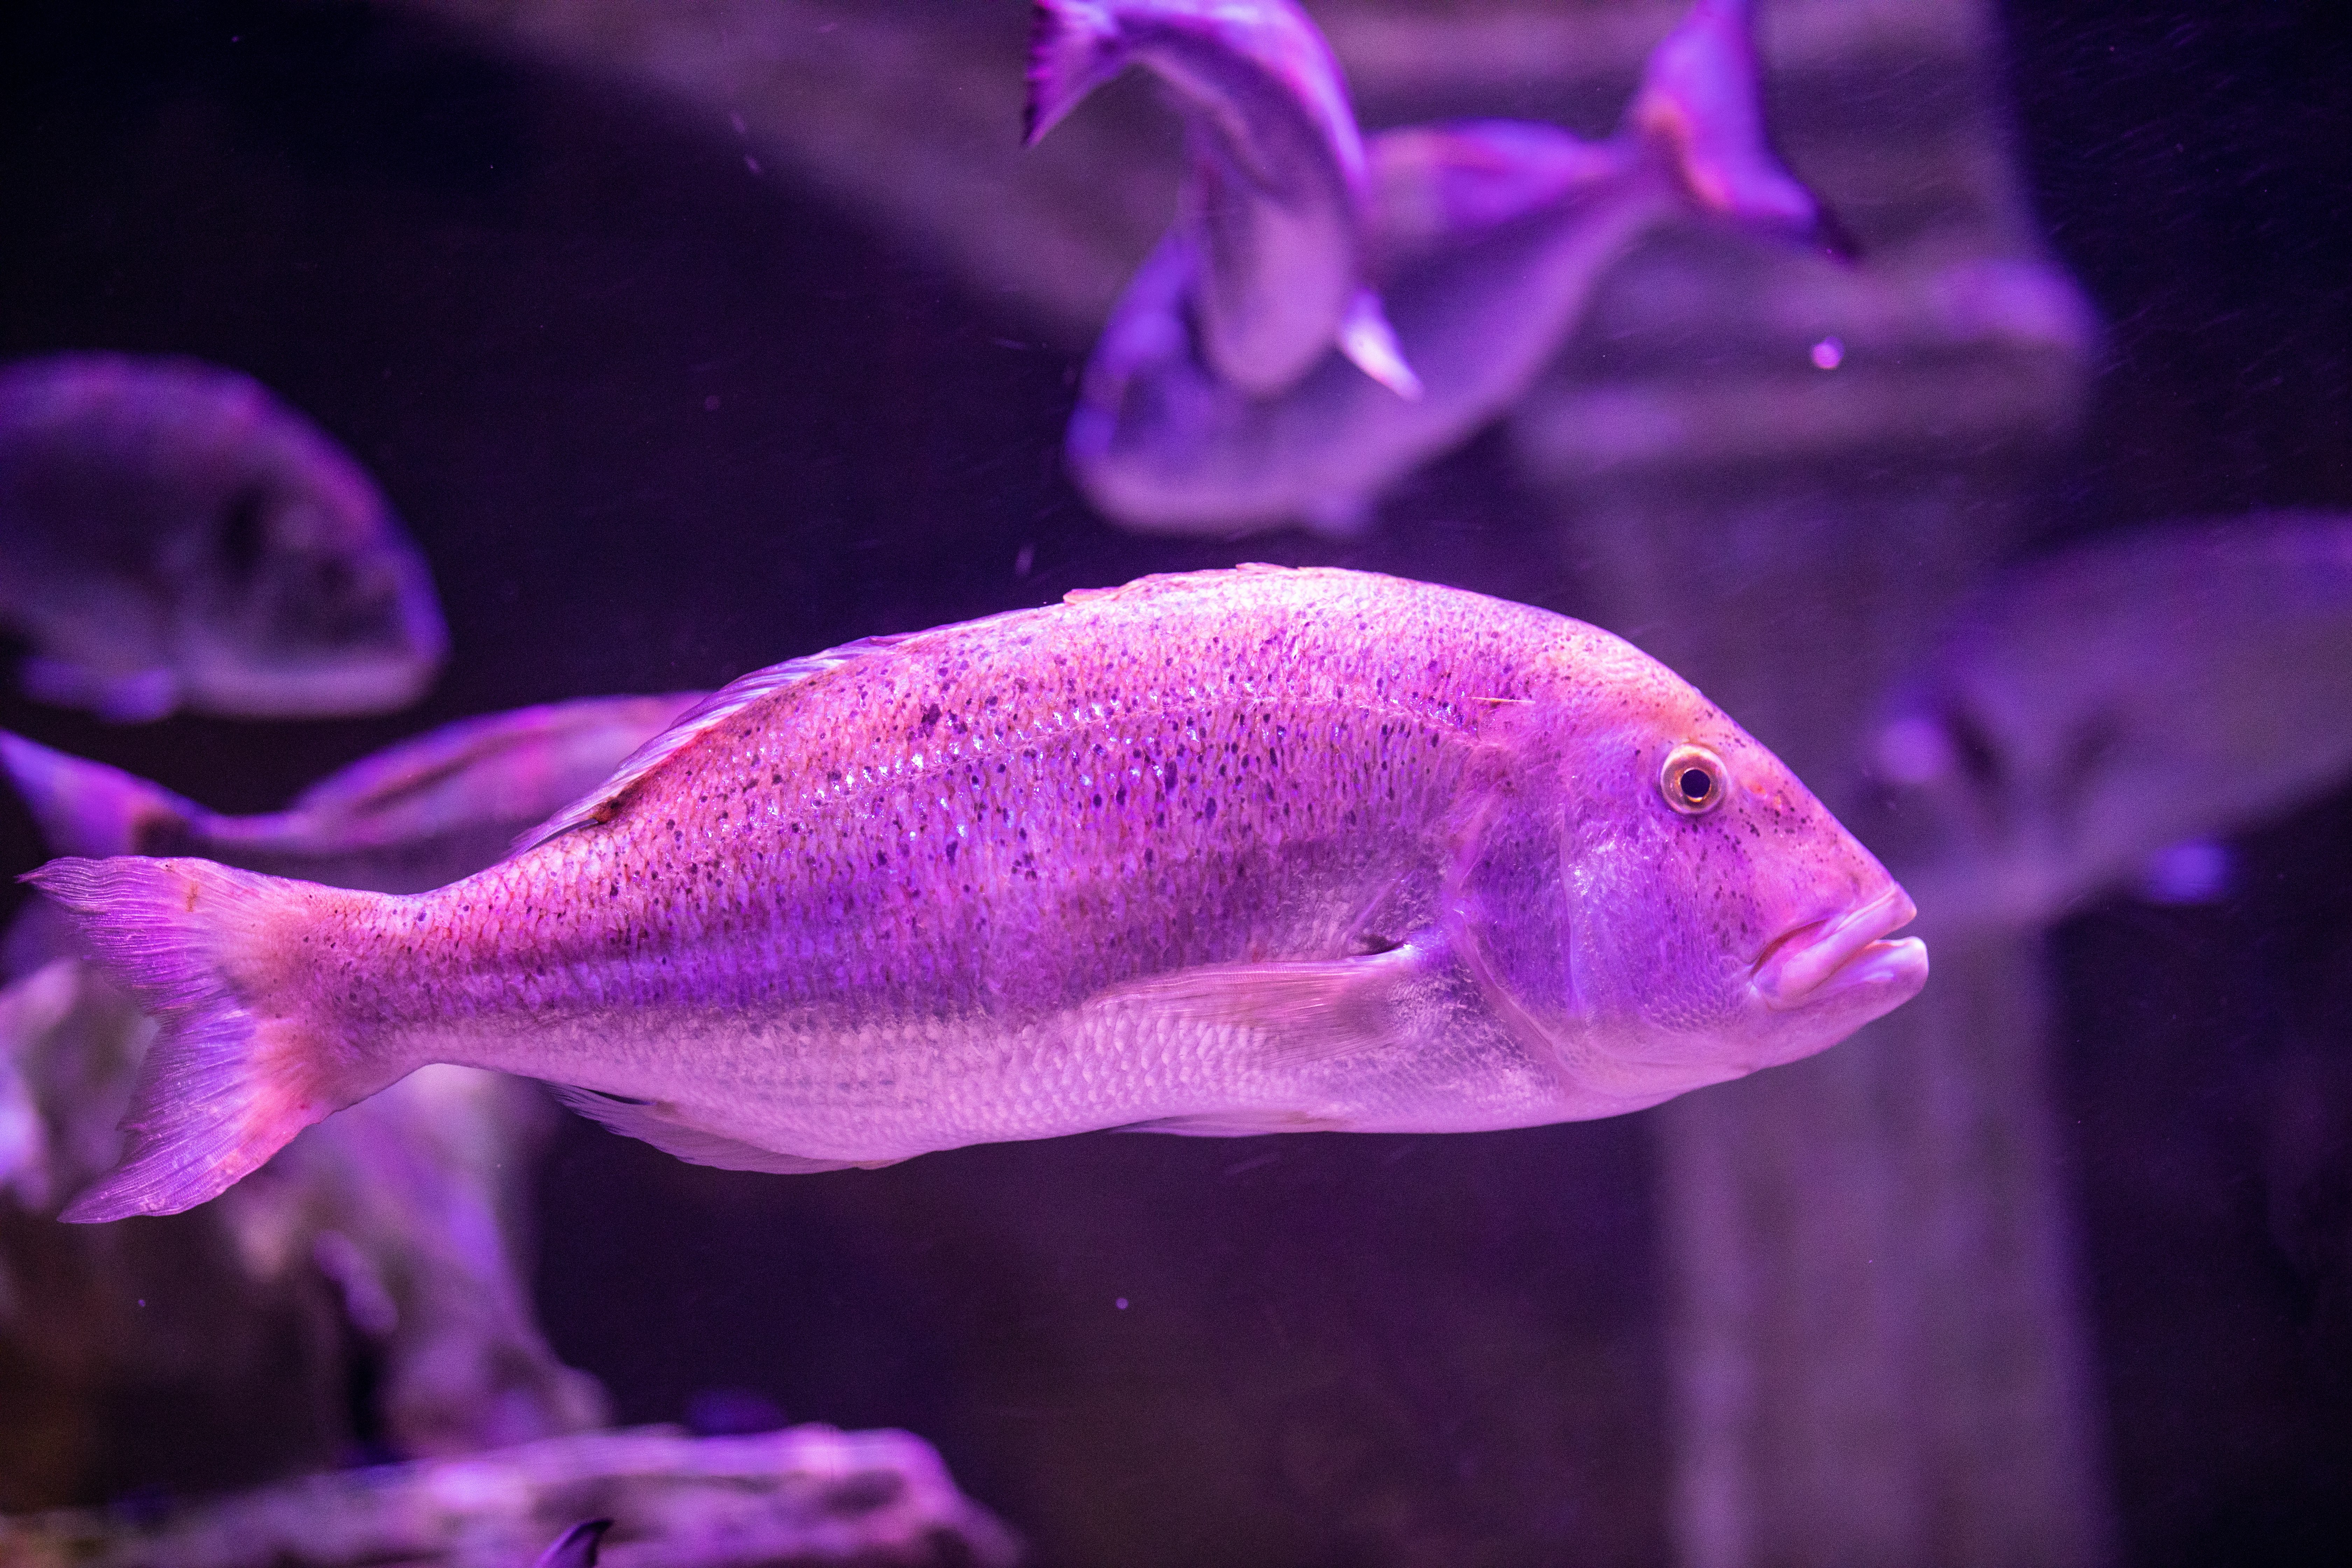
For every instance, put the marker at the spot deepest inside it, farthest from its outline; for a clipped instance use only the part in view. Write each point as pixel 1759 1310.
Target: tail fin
pixel 1701 100
pixel 1074 49
pixel 88 808
pixel 236 1071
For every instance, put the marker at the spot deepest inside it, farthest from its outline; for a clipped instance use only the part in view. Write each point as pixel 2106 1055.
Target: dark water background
pixel 657 420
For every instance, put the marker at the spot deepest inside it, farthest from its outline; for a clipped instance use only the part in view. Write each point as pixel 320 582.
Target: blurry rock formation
pixel 805 1496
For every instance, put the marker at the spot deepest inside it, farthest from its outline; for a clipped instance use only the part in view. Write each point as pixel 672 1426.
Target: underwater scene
pixel 1273 783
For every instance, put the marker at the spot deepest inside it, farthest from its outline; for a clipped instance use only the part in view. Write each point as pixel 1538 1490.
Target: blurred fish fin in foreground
pixel 222 1090
pixel 178 538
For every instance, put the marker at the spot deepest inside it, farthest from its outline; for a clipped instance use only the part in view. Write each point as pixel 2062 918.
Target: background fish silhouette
pixel 174 537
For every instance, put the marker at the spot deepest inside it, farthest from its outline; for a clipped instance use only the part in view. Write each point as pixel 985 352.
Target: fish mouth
pixel 1822 958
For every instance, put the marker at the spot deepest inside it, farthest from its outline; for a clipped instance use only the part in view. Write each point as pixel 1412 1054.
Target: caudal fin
pixel 1072 50
pixel 88 808
pixel 236 1070
pixel 1702 100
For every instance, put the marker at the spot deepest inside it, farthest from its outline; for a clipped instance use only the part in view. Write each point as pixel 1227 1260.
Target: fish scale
pixel 1224 852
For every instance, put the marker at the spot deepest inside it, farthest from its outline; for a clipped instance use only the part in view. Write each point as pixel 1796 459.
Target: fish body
pixel 1230 852
pixel 1275 186
pixel 2089 715
pixel 422 812
pixel 174 537
pixel 1484 241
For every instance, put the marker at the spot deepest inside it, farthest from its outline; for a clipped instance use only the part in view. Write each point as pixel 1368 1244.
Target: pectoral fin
pixel 1294 1012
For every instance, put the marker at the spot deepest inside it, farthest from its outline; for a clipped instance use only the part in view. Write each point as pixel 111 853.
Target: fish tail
pixel 233 1073
pixel 1701 102
pixel 1074 47
pixel 88 808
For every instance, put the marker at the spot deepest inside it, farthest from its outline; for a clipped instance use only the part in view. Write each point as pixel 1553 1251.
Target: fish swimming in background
pixel 1225 853
pixel 2102 713
pixel 1483 240
pixel 424 811
pixel 172 537
pixel 1273 198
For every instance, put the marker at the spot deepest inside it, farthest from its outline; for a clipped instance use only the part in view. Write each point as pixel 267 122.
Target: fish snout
pixel 1844 951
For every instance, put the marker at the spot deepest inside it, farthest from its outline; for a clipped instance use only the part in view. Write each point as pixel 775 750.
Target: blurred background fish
pixel 1486 240
pixel 2110 711
pixel 420 814
pixel 174 537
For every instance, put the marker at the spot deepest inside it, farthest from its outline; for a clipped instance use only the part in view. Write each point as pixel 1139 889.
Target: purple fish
pixel 1225 853
pixel 1484 241
pixel 171 536
pixel 2102 713
pixel 1274 192
pixel 424 811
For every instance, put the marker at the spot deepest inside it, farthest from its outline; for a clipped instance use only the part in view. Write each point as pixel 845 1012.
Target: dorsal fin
pixel 599 804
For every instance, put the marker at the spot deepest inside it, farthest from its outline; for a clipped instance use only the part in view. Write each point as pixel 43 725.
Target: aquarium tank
pixel 924 781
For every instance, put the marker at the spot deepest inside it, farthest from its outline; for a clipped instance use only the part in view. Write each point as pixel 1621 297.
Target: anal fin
pixel 1236 1124
pixel 652 1123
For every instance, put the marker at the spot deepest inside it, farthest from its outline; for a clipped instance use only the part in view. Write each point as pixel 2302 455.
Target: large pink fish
pixel 1223 853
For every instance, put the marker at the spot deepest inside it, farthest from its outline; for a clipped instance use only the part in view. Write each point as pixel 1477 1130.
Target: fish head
pixel 1668 906
pixel 297 593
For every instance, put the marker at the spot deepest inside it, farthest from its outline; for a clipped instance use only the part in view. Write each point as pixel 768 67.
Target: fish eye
pixel 1692 781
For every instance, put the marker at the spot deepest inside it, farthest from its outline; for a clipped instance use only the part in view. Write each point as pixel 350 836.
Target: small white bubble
pixel 1828 354
pixel 1121 1303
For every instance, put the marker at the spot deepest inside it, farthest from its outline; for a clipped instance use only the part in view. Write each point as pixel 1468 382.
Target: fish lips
pixel 1846 953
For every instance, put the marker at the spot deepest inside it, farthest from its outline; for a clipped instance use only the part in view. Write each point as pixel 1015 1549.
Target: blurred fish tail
pixel 88 808
pixel 236 1072
pixel 1701 103
pixel 1074 47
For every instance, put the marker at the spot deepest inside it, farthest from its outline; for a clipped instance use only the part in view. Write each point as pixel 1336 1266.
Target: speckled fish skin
pixel 172 537
pixel 432 809
pixel 1227 852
